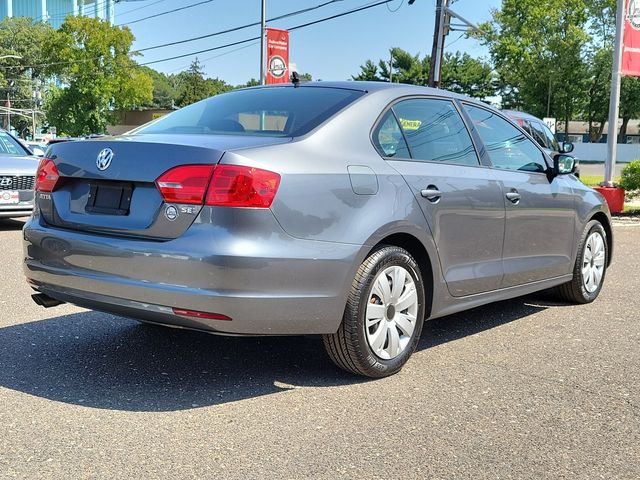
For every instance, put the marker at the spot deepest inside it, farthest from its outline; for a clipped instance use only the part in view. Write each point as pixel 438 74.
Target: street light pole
pixel 2 57
pixel 263 46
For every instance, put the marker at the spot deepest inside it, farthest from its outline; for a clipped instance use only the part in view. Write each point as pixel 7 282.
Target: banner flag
pixel 631 42
pixel 277 56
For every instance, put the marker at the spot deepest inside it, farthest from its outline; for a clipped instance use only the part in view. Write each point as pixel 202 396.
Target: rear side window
pixel 435 131
pixel 388 138
pixel 508 147
pixel 276 111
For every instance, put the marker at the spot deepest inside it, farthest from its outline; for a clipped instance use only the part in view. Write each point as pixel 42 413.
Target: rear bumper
pixel 21 209
pixel 16 213
pixel 268 282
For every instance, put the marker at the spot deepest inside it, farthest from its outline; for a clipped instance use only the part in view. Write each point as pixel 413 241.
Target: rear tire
pixel 383 318
pixel 590 268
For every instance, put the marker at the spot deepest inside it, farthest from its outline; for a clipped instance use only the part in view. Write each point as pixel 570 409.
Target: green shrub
pixel 630 179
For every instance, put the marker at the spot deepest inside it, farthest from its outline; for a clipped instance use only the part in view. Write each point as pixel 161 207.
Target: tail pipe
pixel 45 300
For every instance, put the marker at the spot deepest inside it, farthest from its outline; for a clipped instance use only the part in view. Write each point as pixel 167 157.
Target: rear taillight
pixel 238 186
pixel 185 184
pixel 221 186
pixel 47 177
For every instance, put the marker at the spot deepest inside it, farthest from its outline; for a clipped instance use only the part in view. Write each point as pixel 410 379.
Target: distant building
pixel 579 132
pixel 55 11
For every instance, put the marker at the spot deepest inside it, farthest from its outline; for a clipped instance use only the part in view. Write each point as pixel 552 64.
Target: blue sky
pixel 332 50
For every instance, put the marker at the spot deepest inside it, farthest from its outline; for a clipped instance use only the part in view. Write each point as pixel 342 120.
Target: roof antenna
pixel 295 79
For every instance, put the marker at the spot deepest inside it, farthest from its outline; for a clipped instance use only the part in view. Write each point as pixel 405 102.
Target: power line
pixel 235 29
pixel 232 44
pixel 140 8
pixel 165 13
pixel 308 24
pixel 217 56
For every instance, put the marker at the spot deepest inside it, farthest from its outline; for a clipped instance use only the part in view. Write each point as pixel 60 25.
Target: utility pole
pixel 263 45
pixel 438 44
pixel 441 30
pixel 614 102
pixel 391 66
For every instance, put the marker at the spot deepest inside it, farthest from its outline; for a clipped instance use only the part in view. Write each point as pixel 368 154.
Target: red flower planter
pixel 614 197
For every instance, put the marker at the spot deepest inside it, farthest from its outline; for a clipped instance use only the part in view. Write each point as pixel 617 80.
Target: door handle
pixel 431 193
pixel 513 196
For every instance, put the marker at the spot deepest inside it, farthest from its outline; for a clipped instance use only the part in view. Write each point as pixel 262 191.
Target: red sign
pixel 631 43
pixel 277 56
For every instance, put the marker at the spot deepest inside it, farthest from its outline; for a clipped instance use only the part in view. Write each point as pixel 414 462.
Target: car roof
pixel 370 87
pixel 522 115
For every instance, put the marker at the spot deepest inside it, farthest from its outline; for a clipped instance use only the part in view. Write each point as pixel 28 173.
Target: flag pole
pixel 614 102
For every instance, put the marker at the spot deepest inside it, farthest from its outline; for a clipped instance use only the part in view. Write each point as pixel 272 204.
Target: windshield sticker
pixel 410 124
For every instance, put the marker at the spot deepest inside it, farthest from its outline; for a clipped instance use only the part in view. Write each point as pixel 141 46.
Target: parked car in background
pixel 351 210
pixel 542 134
pixel 38 149
pixel 18 168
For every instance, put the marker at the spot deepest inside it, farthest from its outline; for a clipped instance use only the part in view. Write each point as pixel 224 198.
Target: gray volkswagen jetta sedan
pixel 349 210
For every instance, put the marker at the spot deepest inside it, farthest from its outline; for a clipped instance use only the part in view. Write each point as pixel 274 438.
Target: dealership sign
pixel 631 47
pixel 277 56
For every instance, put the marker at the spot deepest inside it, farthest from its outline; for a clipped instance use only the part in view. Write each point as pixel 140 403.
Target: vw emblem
pixel 104 159
pixel 171 213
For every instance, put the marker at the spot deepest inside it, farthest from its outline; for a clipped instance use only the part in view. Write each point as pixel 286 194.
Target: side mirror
pixel 567 147
pixel 563 164
pixel 37 151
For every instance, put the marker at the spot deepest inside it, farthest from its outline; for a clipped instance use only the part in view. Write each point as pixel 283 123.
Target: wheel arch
pixel 606 224
pixel 418 251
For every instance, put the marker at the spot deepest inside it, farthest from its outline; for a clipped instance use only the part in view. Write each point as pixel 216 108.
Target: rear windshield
pixel 274 112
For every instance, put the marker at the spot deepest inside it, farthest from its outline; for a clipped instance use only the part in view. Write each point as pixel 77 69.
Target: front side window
pixel 435 131
pixel 275 112
pixel 508 147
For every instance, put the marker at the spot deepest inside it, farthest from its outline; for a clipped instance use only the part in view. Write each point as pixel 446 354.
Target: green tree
pixel 19 77
pixel 92 60
pixel 461 73
pixel 629 104
pixel 193 87
pixel 538 49
pixel 164 89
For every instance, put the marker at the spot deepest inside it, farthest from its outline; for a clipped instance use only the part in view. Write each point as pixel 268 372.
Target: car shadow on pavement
pixel 101 361
pixel 9 224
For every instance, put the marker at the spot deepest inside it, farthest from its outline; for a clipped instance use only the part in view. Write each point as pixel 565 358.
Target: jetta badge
pixel 104 159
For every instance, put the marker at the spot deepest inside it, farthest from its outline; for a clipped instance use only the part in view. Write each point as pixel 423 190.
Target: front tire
pixel 383 318
pixel 590 267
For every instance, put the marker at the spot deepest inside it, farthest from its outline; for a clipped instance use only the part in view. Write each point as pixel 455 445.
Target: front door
pixel 539 231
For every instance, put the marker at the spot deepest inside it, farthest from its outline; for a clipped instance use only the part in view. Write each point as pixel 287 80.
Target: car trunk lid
pixel 108 185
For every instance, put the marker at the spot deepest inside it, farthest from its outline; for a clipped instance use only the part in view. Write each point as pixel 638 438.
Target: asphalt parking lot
pixel 526 388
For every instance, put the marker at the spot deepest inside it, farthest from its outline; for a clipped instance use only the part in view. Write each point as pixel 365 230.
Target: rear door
pixel 540 220
pixel 426 140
